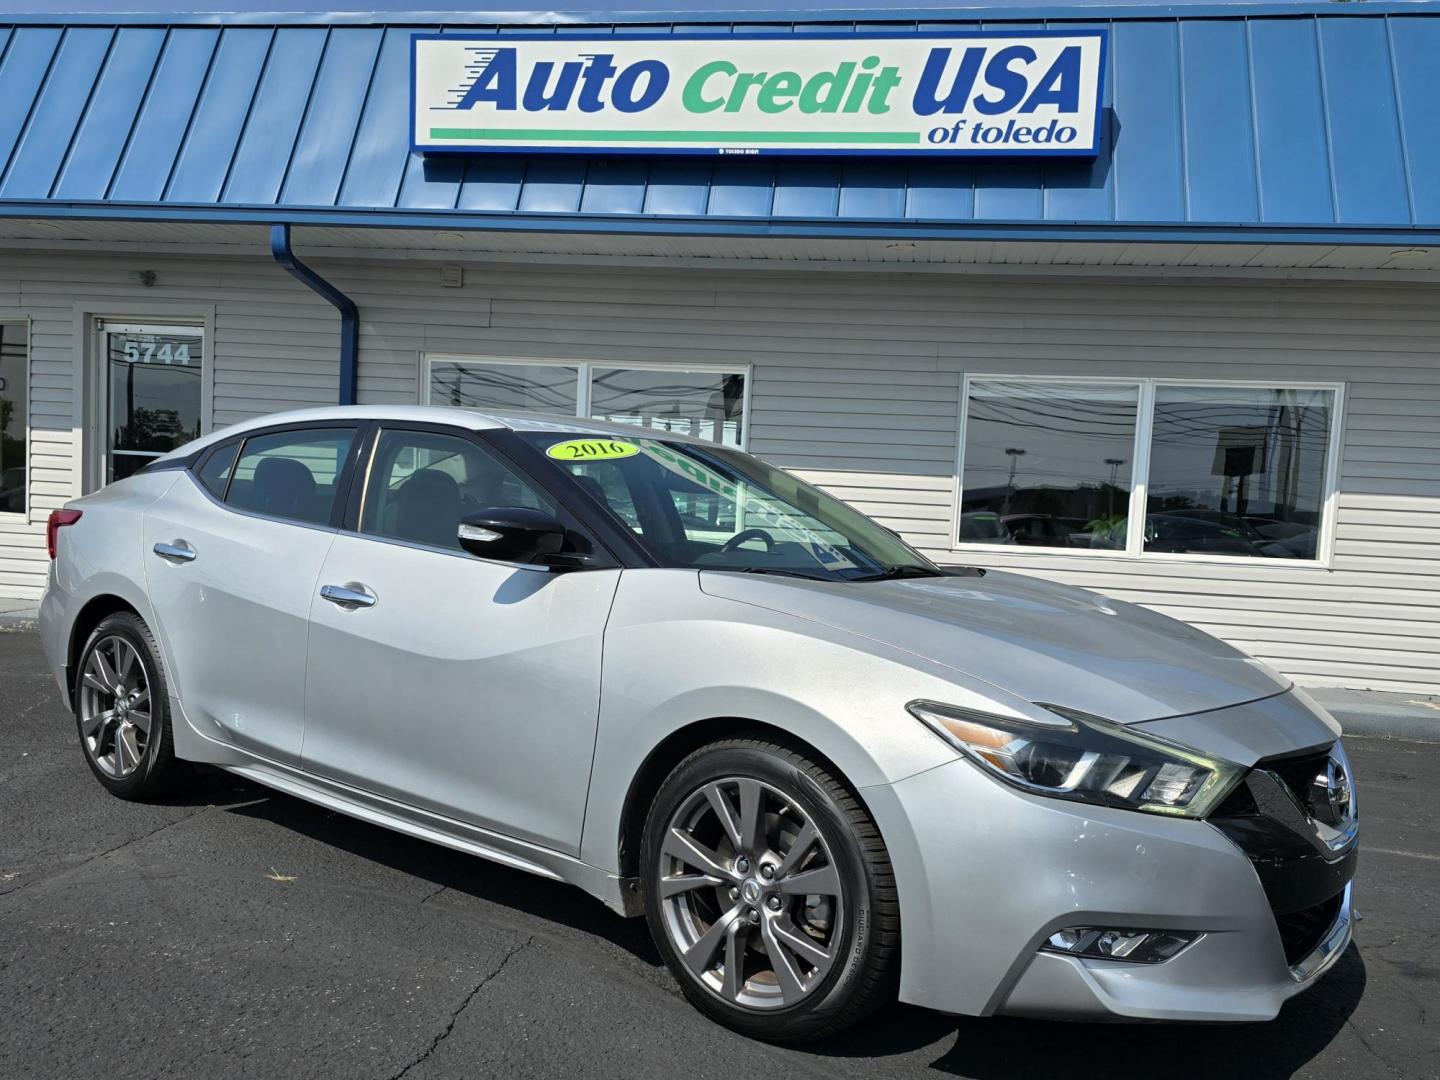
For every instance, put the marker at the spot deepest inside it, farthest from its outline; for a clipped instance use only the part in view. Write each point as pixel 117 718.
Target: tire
pixel 129 760
pixel 721 903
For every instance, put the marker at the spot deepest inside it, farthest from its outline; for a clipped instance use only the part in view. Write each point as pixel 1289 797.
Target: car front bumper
pixel 1208 981
pixel 986 874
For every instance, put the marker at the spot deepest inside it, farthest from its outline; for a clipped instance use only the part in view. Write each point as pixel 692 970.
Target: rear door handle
pixel 179 551
pixel 349 597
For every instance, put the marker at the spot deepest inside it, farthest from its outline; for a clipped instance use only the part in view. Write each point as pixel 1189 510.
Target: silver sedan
pixel 826 770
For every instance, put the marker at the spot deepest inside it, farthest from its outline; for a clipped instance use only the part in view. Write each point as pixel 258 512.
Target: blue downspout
pixel 349 313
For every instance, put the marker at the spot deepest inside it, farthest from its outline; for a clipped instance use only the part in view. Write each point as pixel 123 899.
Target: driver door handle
pixel 179 551
pixel 349 597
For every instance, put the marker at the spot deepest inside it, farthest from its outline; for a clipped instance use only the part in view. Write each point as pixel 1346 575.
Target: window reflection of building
pixel 1040 458
pixel 702 402
pixel 1230 470
pixel 154 391
pixel 1247 464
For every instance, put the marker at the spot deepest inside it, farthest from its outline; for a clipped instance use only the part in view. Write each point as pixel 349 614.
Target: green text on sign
pixel 589 135
pixel 591 450
pixel 873 94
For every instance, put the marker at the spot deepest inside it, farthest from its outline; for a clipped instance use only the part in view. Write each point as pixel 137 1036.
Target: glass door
pixel 152 392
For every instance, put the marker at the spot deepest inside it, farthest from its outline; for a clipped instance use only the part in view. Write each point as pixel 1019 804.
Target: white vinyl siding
pixel 855 384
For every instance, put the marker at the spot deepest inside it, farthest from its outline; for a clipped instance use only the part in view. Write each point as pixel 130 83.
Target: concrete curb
pixel 17 616
pixel 1377 714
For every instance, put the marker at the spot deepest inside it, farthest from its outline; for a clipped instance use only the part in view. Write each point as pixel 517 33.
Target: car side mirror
pixel 516 534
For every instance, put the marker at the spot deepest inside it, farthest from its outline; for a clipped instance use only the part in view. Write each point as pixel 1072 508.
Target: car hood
pixel 1040 641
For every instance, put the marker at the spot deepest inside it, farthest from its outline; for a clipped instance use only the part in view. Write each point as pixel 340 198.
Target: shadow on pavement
pixel 1012 1049
pixel 470 875
pixel 997 1048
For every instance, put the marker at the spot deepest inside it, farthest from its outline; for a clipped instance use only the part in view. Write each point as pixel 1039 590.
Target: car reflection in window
pixel 1213 532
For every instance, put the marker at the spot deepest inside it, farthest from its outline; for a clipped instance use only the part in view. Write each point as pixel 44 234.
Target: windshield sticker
pixel 591 450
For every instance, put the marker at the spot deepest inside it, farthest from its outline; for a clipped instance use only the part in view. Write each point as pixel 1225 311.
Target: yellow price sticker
pixel 591 450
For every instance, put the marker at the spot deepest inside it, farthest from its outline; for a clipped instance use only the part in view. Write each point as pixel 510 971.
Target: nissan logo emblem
pixel 1330 794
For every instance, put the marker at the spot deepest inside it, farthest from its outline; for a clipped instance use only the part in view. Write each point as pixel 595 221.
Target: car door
pixel 233 552
pixel 463 686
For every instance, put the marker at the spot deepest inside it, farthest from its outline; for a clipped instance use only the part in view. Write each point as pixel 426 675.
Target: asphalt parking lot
pixel 232 932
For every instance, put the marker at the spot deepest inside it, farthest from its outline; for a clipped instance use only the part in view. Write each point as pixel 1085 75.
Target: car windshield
pixel 713 508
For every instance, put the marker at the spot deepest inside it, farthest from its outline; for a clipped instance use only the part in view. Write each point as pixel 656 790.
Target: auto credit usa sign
pixel 1032 93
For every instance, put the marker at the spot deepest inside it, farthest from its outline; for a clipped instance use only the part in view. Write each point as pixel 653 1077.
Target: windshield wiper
pixel 768 570
pixel 902 570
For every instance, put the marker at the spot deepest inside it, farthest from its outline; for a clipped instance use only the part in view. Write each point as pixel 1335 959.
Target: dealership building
pixel 1145 300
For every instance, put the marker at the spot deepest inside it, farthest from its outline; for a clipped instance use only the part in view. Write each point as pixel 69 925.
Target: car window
pixel 692 505
pixel 421 483
pixel 290 474
pixel 692 512
pixel 215 472
pixel 606 482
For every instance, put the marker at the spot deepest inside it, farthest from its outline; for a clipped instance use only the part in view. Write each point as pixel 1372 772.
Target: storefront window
pixel 1048 465
pixel 705 404
pixel 505 387
pixel 1237 471
pixel 708 403
pixel 14 365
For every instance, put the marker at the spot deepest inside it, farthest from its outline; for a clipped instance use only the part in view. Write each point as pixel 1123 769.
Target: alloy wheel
pixel 115 706
pixel 751 896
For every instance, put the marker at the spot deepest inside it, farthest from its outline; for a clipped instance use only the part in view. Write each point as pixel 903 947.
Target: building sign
pixel 1032 93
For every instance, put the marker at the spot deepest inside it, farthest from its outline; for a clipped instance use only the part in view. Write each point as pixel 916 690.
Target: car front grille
pixel 1277 818
pixel 1298 774
pixel 1302 931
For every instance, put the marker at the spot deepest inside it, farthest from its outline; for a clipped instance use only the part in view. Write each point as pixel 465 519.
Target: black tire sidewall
pixel 784 771
pixel 148 778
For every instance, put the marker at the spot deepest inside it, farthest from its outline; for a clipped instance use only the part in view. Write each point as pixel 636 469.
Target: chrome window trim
pixel 203 490
pixel 190 470
pixel 464 556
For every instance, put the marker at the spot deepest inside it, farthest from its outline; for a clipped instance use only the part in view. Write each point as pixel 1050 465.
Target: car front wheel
pixel 769 892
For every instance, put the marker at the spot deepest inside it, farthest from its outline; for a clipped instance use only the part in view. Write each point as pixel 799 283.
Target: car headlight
pixel 1085 758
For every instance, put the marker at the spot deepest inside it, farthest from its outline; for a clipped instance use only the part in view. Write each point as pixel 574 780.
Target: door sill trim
pixel 618 894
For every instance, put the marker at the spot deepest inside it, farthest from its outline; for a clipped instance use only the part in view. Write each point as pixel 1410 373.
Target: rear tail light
pixel 58 520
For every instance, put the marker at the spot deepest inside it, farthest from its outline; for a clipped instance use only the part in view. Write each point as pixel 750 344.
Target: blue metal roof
pixel 1298 127
pixel 489 12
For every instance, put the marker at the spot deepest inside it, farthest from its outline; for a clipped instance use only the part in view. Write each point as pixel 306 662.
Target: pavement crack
pixel 464 1004
pixel 1360 1035
pixel 432 895
pixel 102 854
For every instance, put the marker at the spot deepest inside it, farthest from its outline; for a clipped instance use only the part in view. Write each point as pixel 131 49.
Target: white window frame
pixel 584 377
pixel 1140 472
pixel 22 516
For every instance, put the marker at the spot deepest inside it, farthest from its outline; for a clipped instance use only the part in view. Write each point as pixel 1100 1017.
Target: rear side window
pixel 290 474
pixel 214 474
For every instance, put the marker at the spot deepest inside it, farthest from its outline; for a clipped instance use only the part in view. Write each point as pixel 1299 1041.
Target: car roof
pixel 435 414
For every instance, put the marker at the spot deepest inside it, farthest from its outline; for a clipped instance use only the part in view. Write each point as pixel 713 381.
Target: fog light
pixel 1113 943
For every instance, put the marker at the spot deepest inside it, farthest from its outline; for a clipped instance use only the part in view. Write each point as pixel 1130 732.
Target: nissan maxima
pixel 827 771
